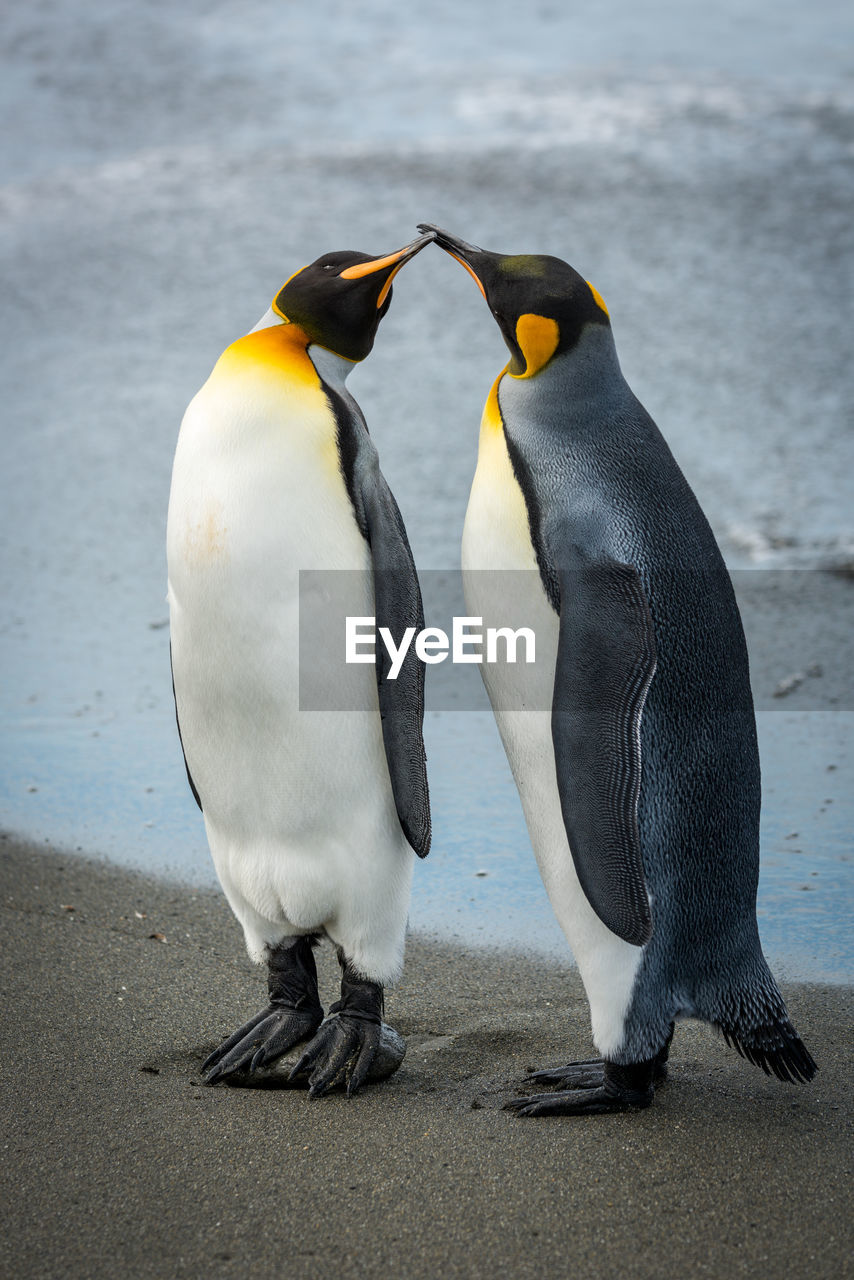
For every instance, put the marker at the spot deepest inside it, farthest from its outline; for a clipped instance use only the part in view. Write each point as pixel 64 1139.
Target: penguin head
pixel 340 299
pixel 541 304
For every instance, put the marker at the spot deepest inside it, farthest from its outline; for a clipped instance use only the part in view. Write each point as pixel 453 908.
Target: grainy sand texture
pixel 117 1163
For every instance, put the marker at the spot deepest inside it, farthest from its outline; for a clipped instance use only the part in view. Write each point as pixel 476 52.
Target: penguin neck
pixel 268 320
pixel 333 369
pixel 587 373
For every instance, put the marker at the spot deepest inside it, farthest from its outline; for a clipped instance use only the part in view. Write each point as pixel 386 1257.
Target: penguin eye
pixel 328 266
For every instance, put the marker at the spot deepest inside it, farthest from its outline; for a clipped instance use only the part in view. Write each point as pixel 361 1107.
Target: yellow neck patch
pixel 599 300
pixel 537 337
pixel 491 419
pixel 279 351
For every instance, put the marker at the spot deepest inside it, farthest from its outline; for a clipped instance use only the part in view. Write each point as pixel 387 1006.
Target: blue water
pixel 166 172
pixel 805 893
pixel 91 790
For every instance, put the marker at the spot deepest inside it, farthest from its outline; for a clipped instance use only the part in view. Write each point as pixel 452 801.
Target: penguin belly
pixel 298 805
pixel 497 539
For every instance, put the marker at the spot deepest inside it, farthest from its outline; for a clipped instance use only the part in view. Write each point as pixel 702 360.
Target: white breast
pixel 502 585
pixel 298 804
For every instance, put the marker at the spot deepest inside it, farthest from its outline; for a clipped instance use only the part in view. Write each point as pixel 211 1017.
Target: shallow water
pixel 480 881
pixel 166 173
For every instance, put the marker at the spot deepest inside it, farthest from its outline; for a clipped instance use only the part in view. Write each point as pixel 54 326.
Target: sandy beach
pixel 117 1163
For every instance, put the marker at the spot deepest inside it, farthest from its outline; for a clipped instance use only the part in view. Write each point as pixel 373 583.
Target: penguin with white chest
pixel 639 778
pixel 313 817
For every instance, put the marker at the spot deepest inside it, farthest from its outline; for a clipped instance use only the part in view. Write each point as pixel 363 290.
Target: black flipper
pixel 398 606
pixel 180 739
pixel 605 662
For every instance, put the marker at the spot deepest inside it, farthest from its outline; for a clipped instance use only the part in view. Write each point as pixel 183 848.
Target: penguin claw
pixel 590 1074
pixel 365 1059
pixel 597 1086
pixel 343 1050
pixel 220 1052
pixel 575 1075
pixel 261 1040
pixel 577 1102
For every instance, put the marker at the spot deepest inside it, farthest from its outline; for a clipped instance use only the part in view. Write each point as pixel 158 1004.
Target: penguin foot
pixel 600 1086
pixel 262 1039
pixel 576 1102
pixel 293 1014
pixel 591 1073
pixel 575 1075
pixel 342 1051
pixel 347 1042
pixel 586 1075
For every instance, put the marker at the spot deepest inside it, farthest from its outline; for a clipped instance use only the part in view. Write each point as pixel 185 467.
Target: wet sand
pixel 117 1163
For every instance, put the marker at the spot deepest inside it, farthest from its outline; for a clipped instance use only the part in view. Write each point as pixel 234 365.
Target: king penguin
pixel 639 772
pixel 313 817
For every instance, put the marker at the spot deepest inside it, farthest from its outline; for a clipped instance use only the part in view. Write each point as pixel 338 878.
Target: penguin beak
pixel 395 261
pixel 457 248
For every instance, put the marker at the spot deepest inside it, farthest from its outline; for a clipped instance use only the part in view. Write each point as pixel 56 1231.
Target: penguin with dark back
pixel 640 781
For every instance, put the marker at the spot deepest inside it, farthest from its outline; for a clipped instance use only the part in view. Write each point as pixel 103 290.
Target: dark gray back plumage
pixel 604 491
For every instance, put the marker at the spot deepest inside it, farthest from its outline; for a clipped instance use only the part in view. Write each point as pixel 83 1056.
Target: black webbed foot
pixel 342 1050
pixel 585 1075
pixel 293 1014
pixel 594 1087
pixel 265 1037
pixel 347 1042
pixel 590 1074
pixel 575 1075
pixel 578 1102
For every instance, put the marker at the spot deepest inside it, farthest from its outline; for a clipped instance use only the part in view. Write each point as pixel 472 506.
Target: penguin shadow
pixel 483 1067
pixel 182 1065
pixel 475 1067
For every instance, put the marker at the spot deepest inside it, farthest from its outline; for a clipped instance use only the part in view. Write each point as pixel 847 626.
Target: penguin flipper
pixel 398 607
pixel 180 738
pixel 605 662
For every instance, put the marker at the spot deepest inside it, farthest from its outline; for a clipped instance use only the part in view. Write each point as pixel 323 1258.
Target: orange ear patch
pixel 538 338
pixel 599 300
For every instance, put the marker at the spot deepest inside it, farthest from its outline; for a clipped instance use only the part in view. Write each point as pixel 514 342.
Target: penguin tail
pixel 777 1049
pixel 757 1026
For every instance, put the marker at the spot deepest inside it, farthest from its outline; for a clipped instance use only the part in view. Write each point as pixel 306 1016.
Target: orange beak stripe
pixel 384 291
pixel 379 264
pixel 463 263
pixel 368 268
